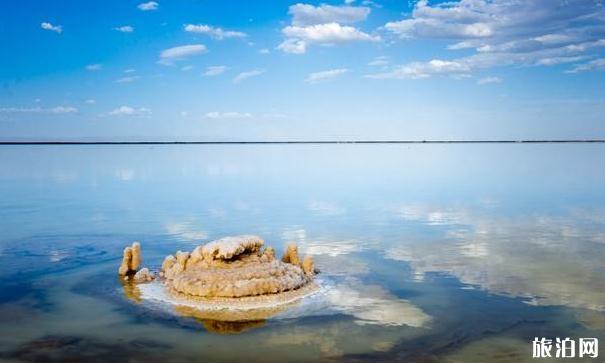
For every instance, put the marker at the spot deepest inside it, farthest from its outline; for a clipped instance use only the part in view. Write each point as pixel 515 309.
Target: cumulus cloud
pixel 323 25
pixel 216 33
pixel 129 111
pixel 305 14
pixel 51 110
pixel 125 28
pixel 248 74
pixel 148 6
pixel 325 75
pixel 489 80
pixel 327 33
pixel 53 28
pixel 215 70
pixel 227 115
pixel 298 38
pixel 503 33
pixel 168 56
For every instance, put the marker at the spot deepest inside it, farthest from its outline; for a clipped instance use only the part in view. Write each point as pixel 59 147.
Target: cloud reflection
pixel 549 260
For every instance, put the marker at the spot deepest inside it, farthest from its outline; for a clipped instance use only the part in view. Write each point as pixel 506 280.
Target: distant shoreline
pixel 300 142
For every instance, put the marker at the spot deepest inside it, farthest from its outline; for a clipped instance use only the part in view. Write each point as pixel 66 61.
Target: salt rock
pixel 269 253
pixel 308 265
pixel 169 261
pixel 143 275
pixel 291 255
pixel 228 247
pixel 233 267
pixel 135 262
pixel 131 259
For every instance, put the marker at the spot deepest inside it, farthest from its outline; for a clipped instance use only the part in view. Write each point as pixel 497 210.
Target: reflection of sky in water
pixel 427 247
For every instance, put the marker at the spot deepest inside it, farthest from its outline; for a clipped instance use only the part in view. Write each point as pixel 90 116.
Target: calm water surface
pixel 429 253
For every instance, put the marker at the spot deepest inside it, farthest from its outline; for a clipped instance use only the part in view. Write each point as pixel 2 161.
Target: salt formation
pixel 131 260
pixel 143 275
pixel 235 267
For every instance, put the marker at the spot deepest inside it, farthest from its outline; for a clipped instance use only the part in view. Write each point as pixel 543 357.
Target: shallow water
pixel 432 253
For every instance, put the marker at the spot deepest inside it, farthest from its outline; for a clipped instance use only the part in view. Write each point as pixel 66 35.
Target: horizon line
pixel 252 142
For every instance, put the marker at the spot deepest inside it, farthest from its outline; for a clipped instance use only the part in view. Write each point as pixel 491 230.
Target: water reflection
pixel 549 260
pixel 436 253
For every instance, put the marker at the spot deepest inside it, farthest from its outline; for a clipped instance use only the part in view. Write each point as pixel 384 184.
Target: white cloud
pixel 379 61
pixel 215 70
pixel 597 64
pixel 305 14
pixel 130 70
pixel 264 51
pixel 558 60
pixel 129 111
pixel 148 6
pixel 293 46
pixel 125 29
pixel 297 37
pixel 325 75
pixel 417 70
pixel 216 33
pixel 63 109
pixel 506 33
pixel 248 74
pixel 227 115
pixel 53 28
pixel 168 56
pixel 323 25
pixel 371 3
pixel 327 33
pixel 129 79
pixel 186 68
pixel 489 80
pixel 52 110
pixel 90 101
pixel 94 67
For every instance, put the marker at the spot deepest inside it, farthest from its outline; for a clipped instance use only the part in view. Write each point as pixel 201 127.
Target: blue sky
pixel 278 70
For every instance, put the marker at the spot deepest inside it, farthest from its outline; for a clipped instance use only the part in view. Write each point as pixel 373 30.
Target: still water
pixel 428 253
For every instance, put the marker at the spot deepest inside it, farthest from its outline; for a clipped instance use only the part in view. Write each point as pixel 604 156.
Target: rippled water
pixel 431 253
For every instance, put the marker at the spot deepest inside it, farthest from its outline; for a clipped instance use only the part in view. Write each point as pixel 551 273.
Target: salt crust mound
pixel 234 267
